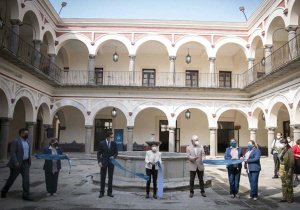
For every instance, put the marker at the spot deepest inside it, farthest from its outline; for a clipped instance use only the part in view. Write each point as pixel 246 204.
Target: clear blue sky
pixel 202 10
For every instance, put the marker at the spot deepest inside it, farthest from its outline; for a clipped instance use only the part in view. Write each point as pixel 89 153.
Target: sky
pixel 199 10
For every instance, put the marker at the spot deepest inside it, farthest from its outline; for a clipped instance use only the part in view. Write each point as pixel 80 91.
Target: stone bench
pixel 72 147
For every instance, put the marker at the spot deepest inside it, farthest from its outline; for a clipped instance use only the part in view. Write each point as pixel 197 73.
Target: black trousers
pixel 200 175
pixel 276 164
pixel 51 181
pixel 151 172
pixel 110 168
pixel 14 173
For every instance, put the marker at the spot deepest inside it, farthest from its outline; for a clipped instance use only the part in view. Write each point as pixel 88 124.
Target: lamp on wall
pixel 115 55
pixel 114 112
pixel 187 114
pixel 188 58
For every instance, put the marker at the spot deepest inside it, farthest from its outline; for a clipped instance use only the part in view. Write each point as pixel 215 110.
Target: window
pixel 191 78
pixel 148 77
pixel 225 79
pixel 99 76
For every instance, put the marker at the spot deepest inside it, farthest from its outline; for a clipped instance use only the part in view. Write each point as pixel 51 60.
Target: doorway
pixel 102 126
pixel 225 133
pixel 163 135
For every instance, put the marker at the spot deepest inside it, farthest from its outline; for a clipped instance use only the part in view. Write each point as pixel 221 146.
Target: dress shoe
pixel 27 198
pixel 110 195
pixel 154 196
pixel 101 195
pixel 237 196
pixel 191 195
pixel 147 195
pixel 283 201
pixel 3 194
pixel 203 194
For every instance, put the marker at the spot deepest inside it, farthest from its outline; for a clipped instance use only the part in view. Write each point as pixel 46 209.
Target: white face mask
pixel 278 137
pixel 288 139
pixel 196 143
pixel 154 149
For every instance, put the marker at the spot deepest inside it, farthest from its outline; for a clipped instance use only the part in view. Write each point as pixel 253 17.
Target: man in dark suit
pixel 19 163
pixel 107 151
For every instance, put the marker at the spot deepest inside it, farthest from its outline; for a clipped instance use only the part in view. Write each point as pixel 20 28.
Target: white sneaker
pixel 255 199
pixel 237 196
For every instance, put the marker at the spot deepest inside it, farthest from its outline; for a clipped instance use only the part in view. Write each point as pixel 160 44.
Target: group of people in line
pixel 286 155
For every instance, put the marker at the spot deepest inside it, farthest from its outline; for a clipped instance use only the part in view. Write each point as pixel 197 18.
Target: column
pixel 4 135
pixel 129 138
pixel 91 70
pixel 172 70
pixel 292 41
pixel 47 135
pixel 212 72
pixel 14 38
pixel 36 55
pixel 51 68
pixel 296 131
pixel 271 136
pixel 132 69
pixel 31 132
pixel 171 139
pixel 88 137
pixel 268 58
pixel 212 141
pixel 253 134
pixel 251 71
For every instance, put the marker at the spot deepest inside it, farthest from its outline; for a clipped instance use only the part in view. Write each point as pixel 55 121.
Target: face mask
pixel 233 144
pixel 249 146
pixel 25 136
pixel 154 149
pixel 278 137
pixel 289 140
pixel 196 143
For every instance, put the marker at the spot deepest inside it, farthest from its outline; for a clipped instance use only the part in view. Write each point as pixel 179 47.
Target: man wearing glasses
pixel 107 151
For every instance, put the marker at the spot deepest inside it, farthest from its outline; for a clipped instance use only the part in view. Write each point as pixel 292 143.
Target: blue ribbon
pixel 54 157
pixel 160 181
pixel 118 165
pixel 222 162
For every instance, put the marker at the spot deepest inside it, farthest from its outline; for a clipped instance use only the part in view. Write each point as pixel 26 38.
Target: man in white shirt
pixel 275 151
pixel 196 155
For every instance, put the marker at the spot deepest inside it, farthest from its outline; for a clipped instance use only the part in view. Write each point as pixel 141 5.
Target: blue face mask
pixel 233 144
pixel 249 146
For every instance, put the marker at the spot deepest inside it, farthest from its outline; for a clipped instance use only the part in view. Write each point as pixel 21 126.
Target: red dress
pixel 296 150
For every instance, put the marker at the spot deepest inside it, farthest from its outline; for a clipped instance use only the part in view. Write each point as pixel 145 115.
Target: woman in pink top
pixel 296 150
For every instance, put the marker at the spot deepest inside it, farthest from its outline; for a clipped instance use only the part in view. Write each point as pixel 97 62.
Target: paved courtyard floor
pixel 78 191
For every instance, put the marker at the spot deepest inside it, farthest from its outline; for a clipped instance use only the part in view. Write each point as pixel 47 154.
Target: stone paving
pixel 78 190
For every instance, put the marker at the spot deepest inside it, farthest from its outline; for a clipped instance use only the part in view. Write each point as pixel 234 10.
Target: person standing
pixel 52 167
pixel 252 165
pixel 274 152
pixel 296 150
pixel 286 170
pixel 152 157
pixel 196 155
pixel 107 151
pixel 234 170
pixel 19 163
pixel 290 141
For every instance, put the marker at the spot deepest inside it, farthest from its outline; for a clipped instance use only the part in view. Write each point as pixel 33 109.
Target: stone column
pixel 132 69
pixel 172 69
pixel 14 38
pixel 51 69
pixel 253 134
pixel 212 141
pixel 296 131
pixel 212 72
pixel 91 70
pixel 251 72
pixel 129 138
pixel 271 136
pixel 4 135
pixel 36 55
pixel 88 138
pixel 31 132
pixel 171 139
pixel 47 136
pixel 292 41
pixel 268 58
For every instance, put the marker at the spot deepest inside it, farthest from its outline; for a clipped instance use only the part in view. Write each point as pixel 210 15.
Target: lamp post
pixel 63 4
pixel 242 9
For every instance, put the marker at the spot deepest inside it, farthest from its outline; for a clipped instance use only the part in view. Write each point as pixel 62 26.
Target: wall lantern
pixel 115 56
pixel 188 58
pixel 187 114
pixel 114 112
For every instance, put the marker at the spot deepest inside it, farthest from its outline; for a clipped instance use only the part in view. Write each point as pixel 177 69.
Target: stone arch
pixel 231 40
pixel 182 107
pixel 293 15
pixel 45 113
pixel 163 40
pixel 295 119
pixel 35 21
pixel 28 105
pixel 50 39
pixel 274 105
pixel 8 95
pixel 235 107
pixel 4 104
pixel 254 40
pixel 198 39
pixel 276 14
pixel 115 37
pixel 74 36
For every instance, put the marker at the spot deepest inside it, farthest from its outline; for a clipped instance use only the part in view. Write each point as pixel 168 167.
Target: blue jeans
pixel 253 179
pixel 234 180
